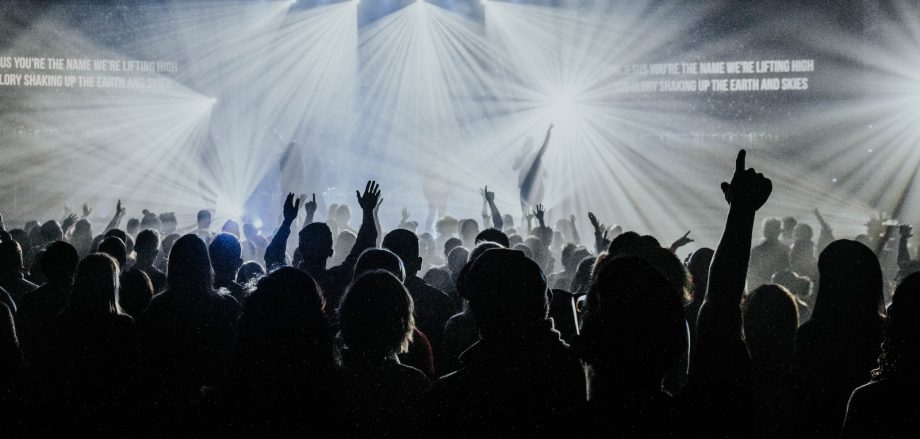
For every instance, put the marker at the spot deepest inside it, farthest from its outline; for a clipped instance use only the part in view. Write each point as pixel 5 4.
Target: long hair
pixel 900 356
pixel 850 289
pixel 95 289
pixel 189 266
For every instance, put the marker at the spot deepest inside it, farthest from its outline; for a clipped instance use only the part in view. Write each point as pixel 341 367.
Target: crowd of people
pixel 478 329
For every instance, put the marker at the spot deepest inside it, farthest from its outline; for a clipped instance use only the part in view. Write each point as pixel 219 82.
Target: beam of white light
pixel 560 65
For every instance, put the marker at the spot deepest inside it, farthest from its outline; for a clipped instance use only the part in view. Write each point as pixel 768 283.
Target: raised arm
pixel 275 252
pixel 4 235
pixel 310 208
pixel 489 197
pixel 682 241
pixel 367 234
pixel 531 175
pixel 540 213
pixel 600 234
pixel 720 313
pixel 826 236
pixel 116 219
pixel 575 238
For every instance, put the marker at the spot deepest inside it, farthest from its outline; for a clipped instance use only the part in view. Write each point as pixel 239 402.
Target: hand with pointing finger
pixel 748 189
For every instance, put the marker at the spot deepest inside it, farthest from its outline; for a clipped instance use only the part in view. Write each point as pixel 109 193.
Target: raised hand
pixel 1 222
pixel 682 241
pixel 594 222
pixel 371 197
pixel 550 129
pixel 68 222
pixel 119 209
pixel 539 213
pixel 824 224
pixel 86 210
pixel 748 188
pixel 67 211
pixel 291 207
pixel 906 231
pixel 310 207
pixel 405 215
pixel 488 196
pixel 377 207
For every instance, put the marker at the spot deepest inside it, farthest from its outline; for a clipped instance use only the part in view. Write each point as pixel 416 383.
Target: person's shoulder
pixel 872 392
pixel 412 378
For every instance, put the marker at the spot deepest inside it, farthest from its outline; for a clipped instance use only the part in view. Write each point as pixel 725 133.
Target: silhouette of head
pixel 900 358
pixel 315 242
pixel 10 257
pixel 850 289
pixel 789 224
pixel 375 315
pixel 343 244
pixel 147 245
pixel 581 281
pixel 380 259
pixel 507 220
pixel 189 270
pixel 772 227
pixel 282 327
pixel 226 254
pixel 493 235
pixel 456 259
pixel 451 244
pixel 698 266
pixel 95 288
pixel 152 222
pixel 118 233
pixel 249 273
pixel 405 245
pixel 514 239
pixel 133 225
pixel 469 228
pixel 115 247
pixel 507 293
pixel 439 278
pixel 250 231
pixel 232 227
pixel 461 277
pixel 634 327
pixel 51 231
pixel 59 262
pixel 803 232
pixel 797 285
pixel 35 236
pixel 204 219
pixel 771 319
pixel 135 293
pixel 342 214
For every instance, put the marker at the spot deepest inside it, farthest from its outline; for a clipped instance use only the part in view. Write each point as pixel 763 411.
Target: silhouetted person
pixel 315 245
pixel 82 238
pixel 284 380
pixel 226 258
pixel 432 306
pixel 95 352
pixel 116 248
pixel 461 331
pixel 887 406
pixel 376 324
pixel 136 292
pixel 493 235
pixel 634 331
pixel 802 256
pixel 420 355
pixel 187 333
pixel 147 248
pixel 718 395
pixel 11 272
pixel 769 256
pixel 770 322
pixel 38 308
pixel 203 226
pixel 581 281
pixel 521 373
pixel 838 348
